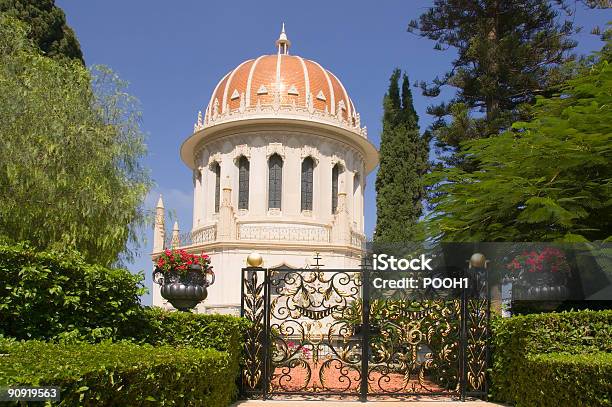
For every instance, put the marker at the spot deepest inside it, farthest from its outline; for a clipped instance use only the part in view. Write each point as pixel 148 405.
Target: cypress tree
pixel 403 162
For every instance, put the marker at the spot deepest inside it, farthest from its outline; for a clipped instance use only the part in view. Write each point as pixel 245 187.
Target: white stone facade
pixel 285 235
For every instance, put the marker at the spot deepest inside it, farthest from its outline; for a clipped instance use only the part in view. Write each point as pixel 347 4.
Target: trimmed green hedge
pixel 555 379
pixel 159 327
pixel 520 364
pixel 50 295
pixel 121 373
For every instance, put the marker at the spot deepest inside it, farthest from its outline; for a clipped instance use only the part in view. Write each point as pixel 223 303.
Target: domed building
pixel 279 159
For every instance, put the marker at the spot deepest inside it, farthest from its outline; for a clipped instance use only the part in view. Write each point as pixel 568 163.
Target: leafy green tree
pixel 48 28
pixel 70 173
pixel 549 179
pixel 403 162
pixel 508 52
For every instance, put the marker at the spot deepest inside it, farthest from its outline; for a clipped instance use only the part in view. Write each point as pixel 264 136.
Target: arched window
pixel 307 176
pixel 275 181
pixel 217 170
pixel 334 192
pixel 243 183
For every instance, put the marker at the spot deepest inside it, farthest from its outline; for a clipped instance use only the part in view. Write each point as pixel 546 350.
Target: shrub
pixel 49 295
pixel 521 340
pixel 553 379
pixel 158 327
pixel 121 373
pixel 69 301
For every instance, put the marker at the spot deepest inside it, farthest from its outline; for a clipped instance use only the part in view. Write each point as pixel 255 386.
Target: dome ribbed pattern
pixel 282 80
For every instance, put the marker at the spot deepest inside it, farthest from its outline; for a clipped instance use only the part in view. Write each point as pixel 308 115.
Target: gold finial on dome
pixel 283 42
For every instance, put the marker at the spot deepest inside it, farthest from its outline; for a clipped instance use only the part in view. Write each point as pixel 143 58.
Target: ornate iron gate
pixel 317 332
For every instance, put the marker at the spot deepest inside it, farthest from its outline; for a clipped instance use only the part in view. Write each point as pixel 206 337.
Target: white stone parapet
pixel 254 232
pixel 197 237
pixel 205 234
pixel 358 239
pixel 279 111
pixel 284 233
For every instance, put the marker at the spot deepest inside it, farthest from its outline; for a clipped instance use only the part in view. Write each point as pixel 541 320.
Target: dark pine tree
pixel 403 162
pixel 48 28
pixel 508 52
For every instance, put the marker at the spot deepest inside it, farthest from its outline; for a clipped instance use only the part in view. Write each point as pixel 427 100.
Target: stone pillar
pixel 258 199
pixel 226 226
pixel 362 200
pixel 322 185
pixel 197 194
pixel 342 228
pixel 292 179
pixel 159 230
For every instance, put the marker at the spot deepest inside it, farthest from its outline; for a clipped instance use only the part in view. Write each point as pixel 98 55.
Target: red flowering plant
pixel 178 260
pixel 293 347
pixel 549 259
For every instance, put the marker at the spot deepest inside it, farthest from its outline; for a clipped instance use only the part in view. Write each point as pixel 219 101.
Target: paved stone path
pixel 382 403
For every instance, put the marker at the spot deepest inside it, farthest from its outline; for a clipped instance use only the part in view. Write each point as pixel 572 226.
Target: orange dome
pixel 285 81
pixel 281 90
pixel 290 78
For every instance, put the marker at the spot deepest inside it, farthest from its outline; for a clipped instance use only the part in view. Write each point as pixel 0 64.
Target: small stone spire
pixel 159 231
pixel 283 42
pixel 176 240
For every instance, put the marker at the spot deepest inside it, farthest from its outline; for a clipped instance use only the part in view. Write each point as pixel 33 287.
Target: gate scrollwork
pixel 307 337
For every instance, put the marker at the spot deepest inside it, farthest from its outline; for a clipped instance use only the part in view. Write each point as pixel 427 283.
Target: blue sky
pixel 173 54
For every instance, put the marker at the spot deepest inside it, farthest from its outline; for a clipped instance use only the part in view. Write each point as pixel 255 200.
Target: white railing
pixel 196 237
pixel 358 239
pixel 251 232
pixel 205 234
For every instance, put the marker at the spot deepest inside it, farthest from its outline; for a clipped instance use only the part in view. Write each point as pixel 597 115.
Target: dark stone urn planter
pixel 539 291
pixel 184 289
